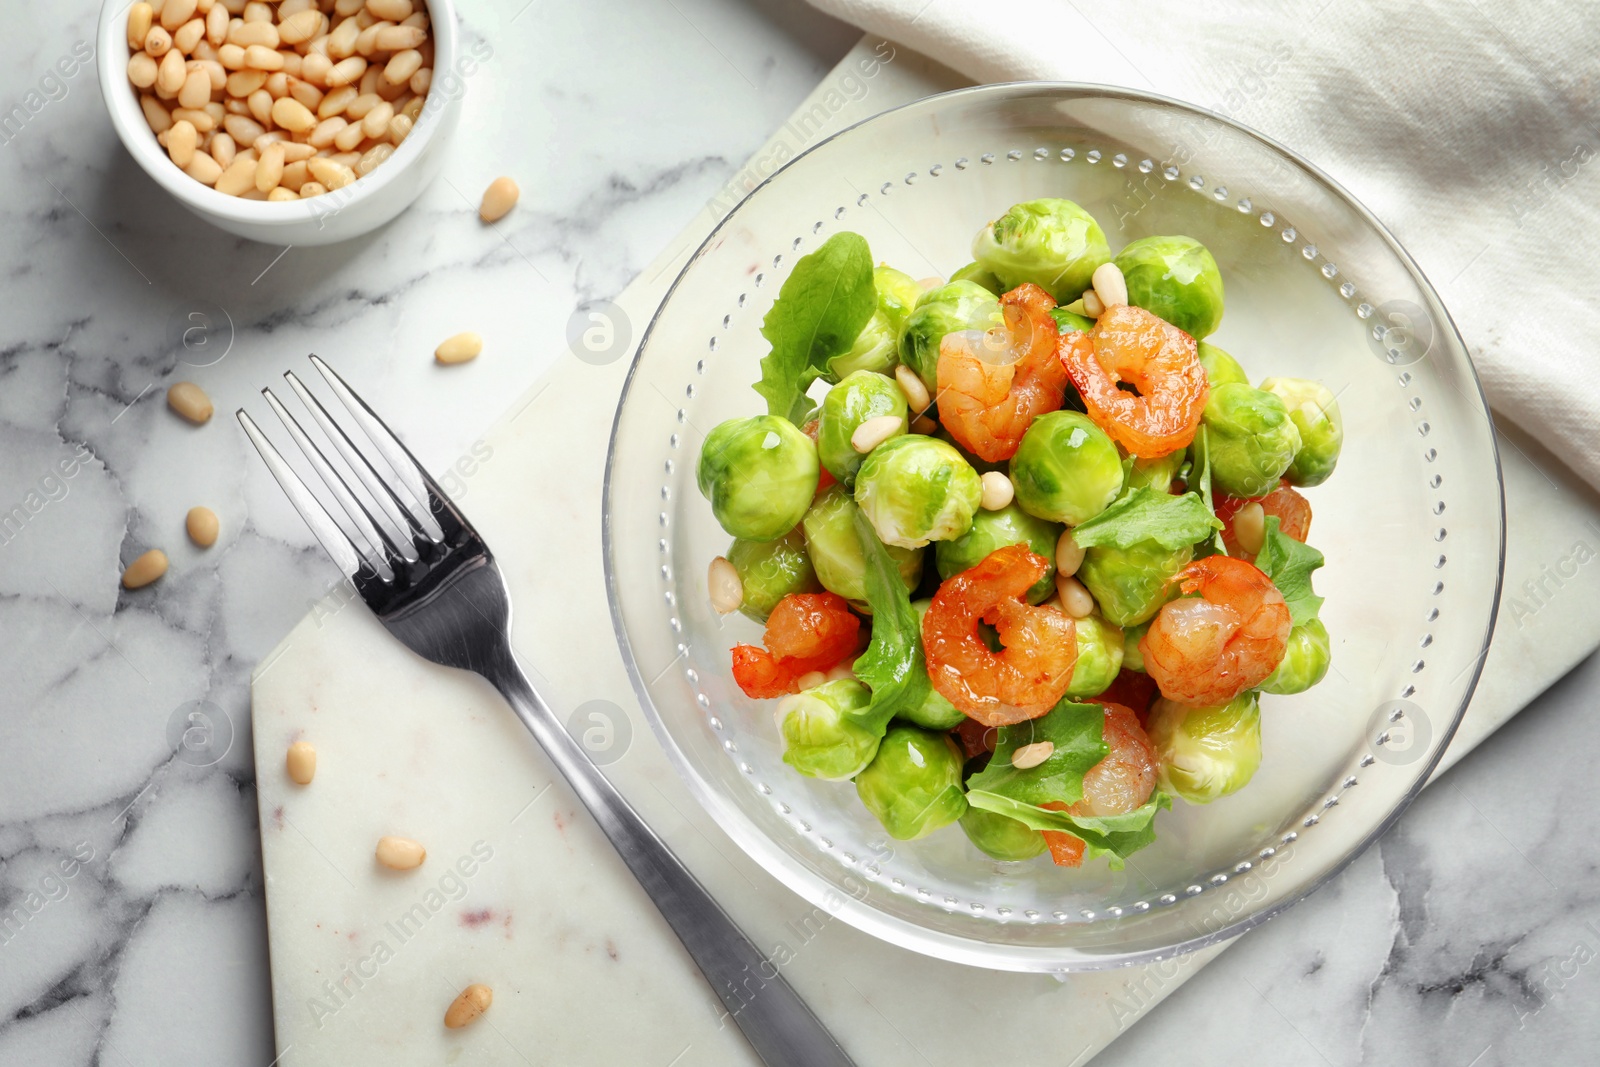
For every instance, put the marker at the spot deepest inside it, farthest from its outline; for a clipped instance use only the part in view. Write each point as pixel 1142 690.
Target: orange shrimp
pixel 1129 344
pixel 1029 675
pixel 1120 783
pixel 993 385
pixel 1293 512
pixel 805 632
pixel 1207 650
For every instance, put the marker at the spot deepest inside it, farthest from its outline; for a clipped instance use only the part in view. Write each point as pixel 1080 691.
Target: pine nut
pixel 1250 527
pixel 217 26
pixel 312 189
pixel 156 114
pixel 293 115
pixel 401 66
pixel 377 120
pixel 874 432
pixel 997 491
pixel 499 198
pixel 725 587
pixel 263 34
pixel 911 385
pixel 400 853
pixel 170 74
pixel 421 81
pixel 301 763
pixel 1075 598
pixel 260 105
pixel 181 141
pixel 399 38
pixel 295 152
pixel 157 43
pixel 1032 755
pixel 372 157
pixel 140 18
pixel 280 193
pixel 472 1002
pixel 336 101
pixel 202 525
pixel 1069 557
pixel 243 129
pixel 144 570
pixel 1092 307
pixel 257 11
pixel 242 83
pixel 223 150
pixel 188 35
pixel 269 171
pixel 142 70
pixel 810 680
pixel 460 348
pixel 260 57
pixel 925 426
pixel 190 401
pixel 332 174
pixel 300 26
pixel 842 670
pixel 349 138
pixel 204 169
pixel 400 129
pixel 315 68
pixel 231 56
pixel 323 135
pixel 175 13
pixel 1110 286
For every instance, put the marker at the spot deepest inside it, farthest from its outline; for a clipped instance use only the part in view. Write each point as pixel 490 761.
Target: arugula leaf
pixel 1201 478
pixel 1076 730
pixel 1114 836
pixel 1147 514
pixel 892 666
pixel 1289 564
pixel 821 309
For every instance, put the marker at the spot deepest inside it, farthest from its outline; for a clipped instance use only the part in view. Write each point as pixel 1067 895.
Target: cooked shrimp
pixel 1129 344
pixel 805 632
pixel 1207 650
pixel 1293 512
pixel 1120 783
pixel 1028 676
pixel 992 385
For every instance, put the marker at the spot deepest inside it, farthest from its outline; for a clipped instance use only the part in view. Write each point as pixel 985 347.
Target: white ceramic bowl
pixel 336 216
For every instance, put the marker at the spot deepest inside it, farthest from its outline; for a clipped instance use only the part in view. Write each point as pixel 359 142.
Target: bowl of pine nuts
pixel 298 122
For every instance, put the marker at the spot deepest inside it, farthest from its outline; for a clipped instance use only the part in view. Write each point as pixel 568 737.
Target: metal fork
pixel 433 583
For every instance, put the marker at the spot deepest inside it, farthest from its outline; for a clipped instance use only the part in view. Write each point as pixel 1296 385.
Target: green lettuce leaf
pixel 1078 733
pixel 1114 836
pixel 821 309
pixel 1146 514
pixel 1289 564
pixel 892 666
pixel 1200 476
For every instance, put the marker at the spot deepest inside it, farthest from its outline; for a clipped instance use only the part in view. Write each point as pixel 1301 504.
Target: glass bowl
pixel 1411 522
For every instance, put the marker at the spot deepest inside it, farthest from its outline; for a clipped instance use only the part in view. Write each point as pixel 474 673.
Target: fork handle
pixel 782 1029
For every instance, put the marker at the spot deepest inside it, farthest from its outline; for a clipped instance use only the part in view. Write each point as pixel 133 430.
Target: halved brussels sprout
pixel 1000 837
pixel 1250 437
pixel 1132 655
pixel 973 272
pixel 951 308
pixel 1054 244
pixel 1157 473
pixel 861 396
pixel 835 552
pixel 819 740
pixel 759 474
pixel 1066 469
pixel 916 489
pixel 1220 368
pixel 1206 753
pixel 1175 278
pixel 913 784
pixel 1131 584
pixel 1305 661
pixel 996 529
pixel 1099 656
pixel 1316 415
pixel 935 712
pixel 770 571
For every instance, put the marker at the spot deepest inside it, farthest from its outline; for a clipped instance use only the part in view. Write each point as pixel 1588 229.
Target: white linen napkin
pixel 1467 129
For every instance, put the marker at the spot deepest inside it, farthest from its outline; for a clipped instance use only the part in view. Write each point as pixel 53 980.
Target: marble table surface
pixel 1465 937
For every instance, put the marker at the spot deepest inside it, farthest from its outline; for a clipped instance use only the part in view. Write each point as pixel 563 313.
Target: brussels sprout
pixel 913 784
pixel 861 396
pixel 972 272
pixel 1305 661
pixel 1054 244
pixel 1157 473
pixel 917 489
pixel 1066 469
pixel 770 571
pixel 1316 415
pixel 935 713
pixel 950 308
pixel 1175 278
pixel 1000 837
pixel 1250 437
pixel 877 349
pixel 1131 584
pixel 820 740
pixel 835 552
pixel 1132 656
pixel 1099 656
pixel 759 474
pixel 996 529
pixel 1071 321
pixel 1206 753
pixel 1220 368
pixel 898 292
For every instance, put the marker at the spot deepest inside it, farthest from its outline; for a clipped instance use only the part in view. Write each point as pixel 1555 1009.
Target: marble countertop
pixel 1463 938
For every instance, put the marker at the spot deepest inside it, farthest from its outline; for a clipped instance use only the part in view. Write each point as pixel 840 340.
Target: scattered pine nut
pixel 842 670
pixel 460 348
pixel 1075 598
pixel 144 570
pixel 874 432
pixel 202 524
pixel 925 426
pixel 472 1002
pixel 1250 527
pixel 498 199
pixel 1069 557
pixel 911 385
pixel 1032 755
pixel 724 586
pixel 189 400
pixel 997 491
pixel 301 763
pixel 1092 307
pixel 400 853
pixel 811 679
pixel 1110 286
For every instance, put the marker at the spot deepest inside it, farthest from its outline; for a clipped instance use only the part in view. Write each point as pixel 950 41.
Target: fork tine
pixel 334 540
pixel 429 498
pixel 384 550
